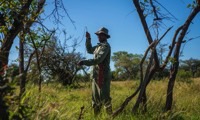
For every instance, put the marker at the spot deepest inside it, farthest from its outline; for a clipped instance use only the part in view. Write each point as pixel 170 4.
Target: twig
pixel 81 113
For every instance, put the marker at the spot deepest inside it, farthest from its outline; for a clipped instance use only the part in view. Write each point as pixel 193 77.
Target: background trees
pixel 59 61
pixel 191 65
pixel 126 65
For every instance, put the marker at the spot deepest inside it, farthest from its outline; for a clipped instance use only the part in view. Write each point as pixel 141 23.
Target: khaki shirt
pixel 100 62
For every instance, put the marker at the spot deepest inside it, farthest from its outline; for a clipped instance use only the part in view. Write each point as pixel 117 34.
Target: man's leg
pixel 96 100
pixel 105 95
pixel 108 107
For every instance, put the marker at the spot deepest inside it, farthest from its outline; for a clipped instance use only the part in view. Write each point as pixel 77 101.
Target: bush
pixel 184 76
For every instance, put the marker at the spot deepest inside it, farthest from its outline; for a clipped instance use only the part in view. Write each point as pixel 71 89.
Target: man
pixel 101 70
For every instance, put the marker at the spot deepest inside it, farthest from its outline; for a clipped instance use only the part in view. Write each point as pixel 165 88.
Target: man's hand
pixel 80 63
pixel 87 35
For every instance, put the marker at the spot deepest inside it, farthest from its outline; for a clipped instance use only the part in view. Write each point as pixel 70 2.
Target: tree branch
pixel 171 48
pixel 146 29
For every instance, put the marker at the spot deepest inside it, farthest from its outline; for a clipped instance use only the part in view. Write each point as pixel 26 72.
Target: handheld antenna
pixel 86 29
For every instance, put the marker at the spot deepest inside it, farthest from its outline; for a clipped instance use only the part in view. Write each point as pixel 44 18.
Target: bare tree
pixel 175 64
pixel 16 18
pixel 59 61
pixel 154 64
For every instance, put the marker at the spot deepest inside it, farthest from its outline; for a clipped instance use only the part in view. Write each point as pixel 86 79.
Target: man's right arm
pixel 88 44
pixel 89 47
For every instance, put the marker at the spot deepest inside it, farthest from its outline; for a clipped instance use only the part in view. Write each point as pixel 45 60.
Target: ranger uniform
pixel 101 71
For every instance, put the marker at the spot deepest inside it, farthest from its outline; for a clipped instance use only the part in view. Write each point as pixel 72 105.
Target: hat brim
pixel 97 33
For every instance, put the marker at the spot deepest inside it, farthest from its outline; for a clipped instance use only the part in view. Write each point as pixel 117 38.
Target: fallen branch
pixel 128 99
pixel 81 113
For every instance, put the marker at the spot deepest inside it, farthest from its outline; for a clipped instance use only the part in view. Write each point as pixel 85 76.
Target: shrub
pixel 184 76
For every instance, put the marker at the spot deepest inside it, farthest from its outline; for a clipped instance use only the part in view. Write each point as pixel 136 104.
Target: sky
pixel 123 23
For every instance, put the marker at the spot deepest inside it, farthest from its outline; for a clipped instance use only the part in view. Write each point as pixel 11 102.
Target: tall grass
pixel 64 103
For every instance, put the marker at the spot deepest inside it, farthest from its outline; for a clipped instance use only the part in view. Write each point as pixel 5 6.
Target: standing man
pixel 101 70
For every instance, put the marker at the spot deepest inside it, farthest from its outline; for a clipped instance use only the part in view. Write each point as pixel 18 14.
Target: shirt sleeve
pixel 104 50
pixel 89 47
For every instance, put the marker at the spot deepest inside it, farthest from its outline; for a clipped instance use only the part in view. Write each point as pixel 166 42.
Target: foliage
pixel 13 72
pixel 126 65
pixel 17 17
pixel 161 74
pixel 193 4
pixel 56 62
pixel 59 62
pixel 7 97
pixel 191 65
pixel 184 76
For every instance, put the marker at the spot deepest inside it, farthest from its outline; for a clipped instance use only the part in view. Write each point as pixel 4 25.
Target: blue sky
pixel 122 20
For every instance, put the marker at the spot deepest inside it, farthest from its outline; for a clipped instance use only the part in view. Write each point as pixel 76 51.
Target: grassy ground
pixel 56 102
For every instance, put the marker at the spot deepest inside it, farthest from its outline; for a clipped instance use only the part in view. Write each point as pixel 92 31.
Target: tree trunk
pixel 142 98
pixel 146 29
pixel 39 69
pixel 175 65
pixel 4 114
pixel 173 72
pixel 142 95
pixel 21 66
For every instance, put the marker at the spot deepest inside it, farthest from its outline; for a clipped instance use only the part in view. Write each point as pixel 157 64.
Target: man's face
pixel 102 37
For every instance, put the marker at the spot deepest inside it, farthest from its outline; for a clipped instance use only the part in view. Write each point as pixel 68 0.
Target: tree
pixel 190 65
pixel 126 64
pixel 59 61
pixel 17 17
pixel 174 67
pixel 161 50
pixel 13 71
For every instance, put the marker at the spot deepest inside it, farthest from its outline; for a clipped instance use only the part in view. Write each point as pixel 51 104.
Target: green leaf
pixel 189 5
pixel 17 47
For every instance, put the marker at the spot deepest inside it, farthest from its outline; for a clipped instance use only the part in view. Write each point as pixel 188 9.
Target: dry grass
pixel 58 102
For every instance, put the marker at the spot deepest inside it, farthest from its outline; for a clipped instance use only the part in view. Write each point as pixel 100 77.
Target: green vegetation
pixel 64 103
pixel 41 84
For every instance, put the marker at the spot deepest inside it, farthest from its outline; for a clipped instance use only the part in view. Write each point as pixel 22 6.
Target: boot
pixel 109 109
pixel 97 110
